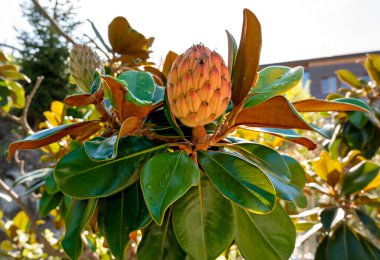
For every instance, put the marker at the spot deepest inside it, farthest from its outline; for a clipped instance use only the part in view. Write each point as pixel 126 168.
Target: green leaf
pixel 359 176
pixel 238 180
pixel 159 242
pixel 204 222
pixel 274 80
pixel 296 170
pixel 165 178
pixel 344 244
pixel 265 158
pixel 140 83
pixel 99 36
pixel 103 149
pixel 320 253
pixel 48 202
pixel 119 215
pixel 368 222
pixel 80 177
pixel 358 119
pixel 77 218
pixel 50 184
pixel 38 174
pixel 247 59
pixel 269 236
pixel 372 250
pixel 232 51
pixel 327 217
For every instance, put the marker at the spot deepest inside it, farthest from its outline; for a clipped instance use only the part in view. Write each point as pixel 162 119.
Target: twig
pixel 21 163
pixel 10 46
pixel 40 237
pixel 53 22
pixel 96 45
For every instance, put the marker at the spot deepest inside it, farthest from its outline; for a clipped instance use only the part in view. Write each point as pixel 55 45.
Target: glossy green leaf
pixel 38 174
pixel 247 59
pixel 159 242
pixel 344 244
pixel 358 119
pixel 80 177
pixel 102 149
pixel 165 178
pixel 48 202
pixel 77 218
pixel 274 80
pixel 296 170
pixel 368 222
pixel 204 222
pixel 371 250
pixel 274 166
pixel 327 217
pixel 269 236
pixel 119 215
pixel 265 158
pixel 50 184
pixel 238 180
pixel 320 253
pixel 232 51
pixel 359 176
pixel 99 36
pixel 140 83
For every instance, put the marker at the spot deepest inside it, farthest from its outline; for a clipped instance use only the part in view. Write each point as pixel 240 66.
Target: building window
pixel 329 85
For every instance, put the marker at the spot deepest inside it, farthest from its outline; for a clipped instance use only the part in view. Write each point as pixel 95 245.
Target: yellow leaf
pixel 349 78
pixel 21 220
pixel 374 183
pixel 51 118
pixel 6 245
pixel 327 169
pixel 57 108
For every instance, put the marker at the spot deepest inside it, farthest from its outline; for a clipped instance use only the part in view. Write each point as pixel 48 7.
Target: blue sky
pixel 292 29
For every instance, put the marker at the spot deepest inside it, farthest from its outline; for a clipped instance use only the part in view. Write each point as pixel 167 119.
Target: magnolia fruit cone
pixel 83 62
pixel 199 86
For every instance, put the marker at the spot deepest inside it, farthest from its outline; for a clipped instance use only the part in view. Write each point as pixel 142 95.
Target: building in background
pixel 321 71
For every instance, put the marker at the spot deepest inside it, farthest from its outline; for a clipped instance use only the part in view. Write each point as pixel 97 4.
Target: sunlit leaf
pixel 204 222
pixel 77 218
pixel 75 169
pixel 327 169
pixel 244 184
pixel 349 78
pixel 165 178
pixel 169 60
pixel 49 136
pixel 276 112
pixel 247 59
pixel 269 236
pixel 274 80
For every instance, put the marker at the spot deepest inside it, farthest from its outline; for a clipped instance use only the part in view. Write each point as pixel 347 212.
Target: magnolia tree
pixel 156 162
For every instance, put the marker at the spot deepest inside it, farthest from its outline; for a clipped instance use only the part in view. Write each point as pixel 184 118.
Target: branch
pixel 10 46
pixel 33 221
pixel 53 22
